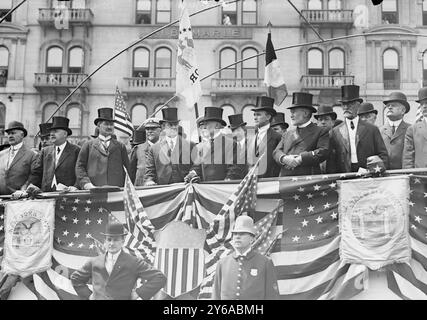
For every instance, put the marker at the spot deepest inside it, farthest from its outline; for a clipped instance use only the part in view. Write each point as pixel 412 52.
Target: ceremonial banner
pixel 373 215
pixel 28 241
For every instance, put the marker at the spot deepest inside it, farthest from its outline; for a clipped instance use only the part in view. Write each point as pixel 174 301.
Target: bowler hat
pixel 325 111
pixel 61 123
pixel 350 93
pixel 151 123
pixel 244 223
pixel 170 115
pixel 265 104
pixel 16 125
pixel 139 136
pixel 236 120
pixel 422 94
pixel 398 97
pixel 366 107
pixel 104 114
pixel 214 114
pixel 114 229
pixel 302 100
pixel 44 129
pixel 279 118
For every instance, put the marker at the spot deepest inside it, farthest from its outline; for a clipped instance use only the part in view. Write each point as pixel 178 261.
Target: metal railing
pixel 75 15
pixel 322 16
pixel 58 79
pixel 320 82
pixel 156 84
pixel 238 84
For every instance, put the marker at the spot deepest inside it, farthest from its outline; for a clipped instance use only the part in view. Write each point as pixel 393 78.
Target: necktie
pixel 11 156
pixel 393 129
pixel 170 148
pixel 256 143
pixel 58 150
pixel 351 125
pixel 105 144
pixel 212 150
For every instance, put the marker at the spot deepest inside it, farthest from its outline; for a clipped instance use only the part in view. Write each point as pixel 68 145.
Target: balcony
pixel 59 80
pixel 76 16
pixel 238 86
pixel 154 85
pixel 328 17
pixel 325 82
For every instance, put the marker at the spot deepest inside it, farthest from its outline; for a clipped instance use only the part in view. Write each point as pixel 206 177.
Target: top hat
pixel 324 111
pixel 61 123
pixel 366 107
pixel 114 229
pixel 214 114
pixel 302 100
pixel 398 97
pixel 104 114
pixel 139 136
pixel 279 118
pixel 350 93
pixel 151 123
pixel 44 129
pixel 375 165
pixel 96 133
pixel 422 94
pixel 236 120
pixel 244 223
pixel 16 125
pixel 170 115
pixel 266 104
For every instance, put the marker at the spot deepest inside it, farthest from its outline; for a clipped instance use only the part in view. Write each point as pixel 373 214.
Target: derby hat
pixel 279 118
pixel 104 114
pixel 151 123
pixel 302 100
pixel 170 115
pixel 265 104
pixel 398 97
pixel 325 111
pixel 236 120
pixel 139 136
pixel 44 129
pixel 114 229
pixel 96 133
pixel 366 107
pixel 214 114
pixel 16 125
pixel 422 94
pixel 244 223
pixel 350 93
pixel 61 123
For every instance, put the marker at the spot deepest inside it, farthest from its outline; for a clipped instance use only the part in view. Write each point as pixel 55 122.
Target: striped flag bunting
pixel 122 121
pixel 419 115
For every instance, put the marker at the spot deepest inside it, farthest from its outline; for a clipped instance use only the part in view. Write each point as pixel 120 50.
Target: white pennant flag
pixel 187 70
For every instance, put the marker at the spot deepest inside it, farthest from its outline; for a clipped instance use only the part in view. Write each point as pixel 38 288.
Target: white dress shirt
pixel 105 140
pixel 352 136
pixel 171 142
pixel 395 123
pixel 13 150
pixel 261 133
pixel 110 261
pixel 305 124
pixel 58 154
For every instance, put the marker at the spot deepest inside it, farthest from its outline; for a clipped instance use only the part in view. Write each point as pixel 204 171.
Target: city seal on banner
pixel 374 221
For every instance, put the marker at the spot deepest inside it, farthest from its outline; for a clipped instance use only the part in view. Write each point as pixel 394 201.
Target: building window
pixel 314 5
pixel 141 63
pixel 334 5
pixel 163 62
pixel 249 12
pixel 5 6
pixel 248 114
pixel 227 110
pixel 315 62
pixel 163 12
pixel 75 60
pixel 424 12
pixel 425 69
pixel 143 12
pixel 48 111
pixel 391 73
pixel 2 118
pixel 389 12
pixel 4 65
pixel 74 113
pixel 229 14
pixel 54 60
pixel 138 114
pixel 228 56
pixel 336 62
pixel 250 67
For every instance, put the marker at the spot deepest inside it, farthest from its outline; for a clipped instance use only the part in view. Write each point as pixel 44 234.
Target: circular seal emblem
pixel 27 236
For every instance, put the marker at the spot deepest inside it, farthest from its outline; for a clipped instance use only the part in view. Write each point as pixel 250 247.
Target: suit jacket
pixel 65 171
pixel 21 172
pixel 256 272
pixel 415 146
pixel 160 165
pixel 137 163
pixel 312 144
pixel 368 143
pixel 394 143
pixel 100 167
pixel 119 284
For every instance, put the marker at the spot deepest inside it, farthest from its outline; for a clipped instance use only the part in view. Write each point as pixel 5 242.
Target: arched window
pixel 48 111
pixel 391 73
pixel 250 67
pixel 315 62
pixel 4 65
pixel 75 60
pixel 74 113
pixel 226 57
pixel 425 68
pixel 5 6
pixel 163 63
pixel 229 14
pixel 143 11
pixel 336 62
pixel 390 12
pixel 54 60
pixel 141 63
pixel 138 114
pixel 248 114
pixel 227 110
pixel 314 5
pixel 334 5
pixel 249 12
pixel 2 118
pixel 163 12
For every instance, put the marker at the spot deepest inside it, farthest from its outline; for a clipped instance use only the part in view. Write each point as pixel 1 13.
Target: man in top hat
pixel 326 118
pixel 414 149
pixel 169 160
pixel 138 154
pixel 278 123
pixel 101 161
pixel 201 130
pixel 245 274
pixel 367 113
pixel 56 167
pixel 239 132
pixel 354 141
pixel 153 130
pixel 17 163
pixel 114 275
pixel 303 148
pixel 44 135
pixel 265 139
pixel 394 129
pixel 215 157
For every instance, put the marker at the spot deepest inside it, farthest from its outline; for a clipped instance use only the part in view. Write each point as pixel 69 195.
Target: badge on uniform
pixel 254 272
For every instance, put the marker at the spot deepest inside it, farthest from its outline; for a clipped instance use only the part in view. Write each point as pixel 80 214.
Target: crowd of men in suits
pixel 161 154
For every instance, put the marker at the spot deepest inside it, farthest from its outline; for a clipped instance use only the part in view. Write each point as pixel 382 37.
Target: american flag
pixel 123 122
